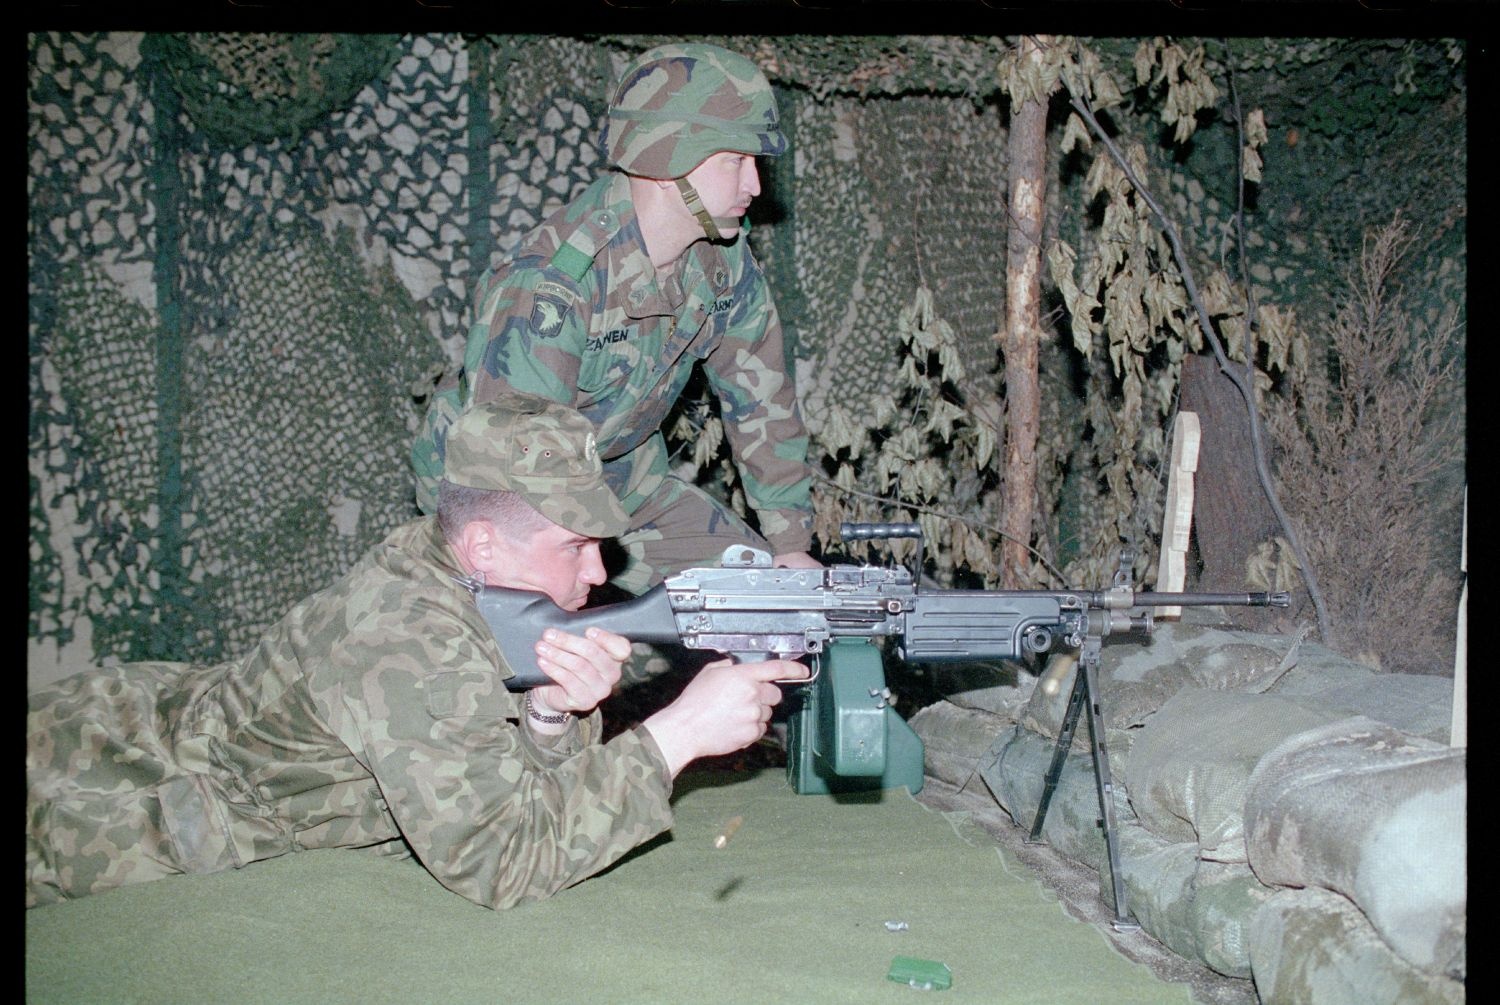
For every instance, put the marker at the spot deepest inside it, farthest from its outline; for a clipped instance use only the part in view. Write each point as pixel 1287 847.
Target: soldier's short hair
pixel 509 512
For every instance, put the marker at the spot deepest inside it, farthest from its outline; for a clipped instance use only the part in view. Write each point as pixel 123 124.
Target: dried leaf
pixel 706 446
pixel 1075 135
pixel 984 446
pixel 1106 92
pixel 1251 164
pixel 1145 59
pixel 1255 127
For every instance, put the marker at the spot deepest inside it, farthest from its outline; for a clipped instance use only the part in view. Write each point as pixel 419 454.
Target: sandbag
pixel 1413 703
pixel 1199 910
pixel 1316 946
pixel 1015 772
pixel 1158 879
pixel 954 739
pixel 1317 670
pixel 1001 688
pixel 1377 815
pixel 1137 676
pixel 1226 896
pixel 1189 765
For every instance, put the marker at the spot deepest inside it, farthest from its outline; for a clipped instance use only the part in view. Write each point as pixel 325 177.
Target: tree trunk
pixel 1231 516
pixel 1022 335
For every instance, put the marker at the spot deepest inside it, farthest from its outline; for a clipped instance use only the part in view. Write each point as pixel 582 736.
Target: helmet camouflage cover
pixel 676 105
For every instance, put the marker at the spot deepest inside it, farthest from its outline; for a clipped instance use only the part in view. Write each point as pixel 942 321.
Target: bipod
pixel 1086 695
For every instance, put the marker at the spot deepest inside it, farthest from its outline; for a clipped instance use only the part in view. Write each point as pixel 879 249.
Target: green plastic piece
pixel 924 975
pixel 846 737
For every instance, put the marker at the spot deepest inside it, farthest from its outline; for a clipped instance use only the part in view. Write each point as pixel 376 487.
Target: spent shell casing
pixel 728 831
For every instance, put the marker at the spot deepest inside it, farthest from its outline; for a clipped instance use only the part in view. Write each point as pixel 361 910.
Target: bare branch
pixel 1246 390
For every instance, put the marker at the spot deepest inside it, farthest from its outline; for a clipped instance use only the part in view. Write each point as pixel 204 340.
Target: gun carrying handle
pixel 882 531
pixel 878 531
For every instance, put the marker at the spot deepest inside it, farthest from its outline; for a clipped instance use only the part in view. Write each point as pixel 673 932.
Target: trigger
pixel 817 668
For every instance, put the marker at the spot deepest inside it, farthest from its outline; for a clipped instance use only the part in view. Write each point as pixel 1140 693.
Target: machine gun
pixel 846 727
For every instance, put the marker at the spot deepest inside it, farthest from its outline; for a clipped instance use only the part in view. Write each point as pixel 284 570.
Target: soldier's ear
pixel 477 545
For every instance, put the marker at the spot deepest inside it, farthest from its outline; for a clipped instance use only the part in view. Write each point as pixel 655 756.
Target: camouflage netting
pixel 222 359
pixel 856 163
pixel 251 257
pixel 240 88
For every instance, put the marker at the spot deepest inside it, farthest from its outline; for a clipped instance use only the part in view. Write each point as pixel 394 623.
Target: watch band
pixel 556 719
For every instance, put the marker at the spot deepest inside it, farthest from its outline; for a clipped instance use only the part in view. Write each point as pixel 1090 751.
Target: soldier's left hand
pixel 796 560
pixel 586 669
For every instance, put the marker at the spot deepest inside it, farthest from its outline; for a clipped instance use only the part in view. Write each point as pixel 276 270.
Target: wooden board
pixel 1177 521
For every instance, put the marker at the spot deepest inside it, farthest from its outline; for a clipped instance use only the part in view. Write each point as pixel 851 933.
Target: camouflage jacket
pixel 376 710
pixel 577 315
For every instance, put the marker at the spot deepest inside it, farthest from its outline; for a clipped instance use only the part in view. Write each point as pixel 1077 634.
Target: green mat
pixel 792 909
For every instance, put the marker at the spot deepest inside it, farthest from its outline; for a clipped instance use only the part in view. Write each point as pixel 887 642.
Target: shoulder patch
pixel 555 291
pixel 547 316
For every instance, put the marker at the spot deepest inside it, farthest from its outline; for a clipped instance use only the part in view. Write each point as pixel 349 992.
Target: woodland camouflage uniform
pixel 375 711
pixel 576 314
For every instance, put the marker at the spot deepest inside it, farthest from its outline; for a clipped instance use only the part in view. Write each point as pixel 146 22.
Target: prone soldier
pixel 376 715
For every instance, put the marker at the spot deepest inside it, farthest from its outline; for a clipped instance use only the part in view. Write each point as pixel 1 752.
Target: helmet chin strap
pixel 715 229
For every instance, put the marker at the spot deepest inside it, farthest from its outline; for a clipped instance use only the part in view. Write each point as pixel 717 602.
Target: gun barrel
pixel 1150 599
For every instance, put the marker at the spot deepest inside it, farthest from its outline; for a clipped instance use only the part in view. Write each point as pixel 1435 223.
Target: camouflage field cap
pixel 541 449
pixel 678 104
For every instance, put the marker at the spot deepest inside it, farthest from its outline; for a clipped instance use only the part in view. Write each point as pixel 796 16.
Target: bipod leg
pixel 1088 679
pixel 1059 754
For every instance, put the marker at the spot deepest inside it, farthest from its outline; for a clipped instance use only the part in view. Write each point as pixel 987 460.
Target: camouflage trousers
pixel 108 801
pixel 679 527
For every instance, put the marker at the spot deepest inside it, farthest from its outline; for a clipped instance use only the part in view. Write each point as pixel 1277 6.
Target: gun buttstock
pixel 517 619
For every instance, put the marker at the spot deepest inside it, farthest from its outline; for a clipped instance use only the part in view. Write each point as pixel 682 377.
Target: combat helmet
pixel 676 105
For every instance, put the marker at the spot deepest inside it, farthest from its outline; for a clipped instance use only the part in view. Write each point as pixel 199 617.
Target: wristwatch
pixel 556 719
